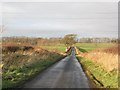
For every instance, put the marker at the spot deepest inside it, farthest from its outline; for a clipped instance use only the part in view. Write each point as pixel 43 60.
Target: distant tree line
pixel 68 40
pixel 98 40
pixel 31 41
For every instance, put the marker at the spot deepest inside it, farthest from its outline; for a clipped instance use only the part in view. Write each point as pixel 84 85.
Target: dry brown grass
pixel 21 62
pixel 23 55
pixel 108 58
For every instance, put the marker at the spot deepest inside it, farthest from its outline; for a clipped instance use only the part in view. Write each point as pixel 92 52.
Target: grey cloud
pixel 58 19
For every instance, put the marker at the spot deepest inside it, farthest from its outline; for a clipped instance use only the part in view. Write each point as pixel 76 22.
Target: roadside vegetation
pixel 23 58
pixel 101 77
pixel 100 63
pixel 21 63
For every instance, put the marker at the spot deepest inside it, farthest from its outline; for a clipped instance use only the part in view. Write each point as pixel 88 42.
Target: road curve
pixel 67 73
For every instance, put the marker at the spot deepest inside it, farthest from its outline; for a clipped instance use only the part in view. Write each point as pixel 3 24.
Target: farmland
pixel 60 44
pixel 58 48
pixel 92 46
pixel 100 63
pixel 24 58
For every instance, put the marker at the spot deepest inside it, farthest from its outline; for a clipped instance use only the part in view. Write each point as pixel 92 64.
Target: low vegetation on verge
pixel 101 63
pixel 22 63
pixel 99 75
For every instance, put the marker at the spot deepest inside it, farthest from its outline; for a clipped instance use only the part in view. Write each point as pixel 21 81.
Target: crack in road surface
pixel 67 73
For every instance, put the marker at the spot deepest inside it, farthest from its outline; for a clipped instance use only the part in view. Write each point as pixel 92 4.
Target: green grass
pixel 108 79
pixel 17 69
pixel 19 75
pixel 59 48
pixel 86 47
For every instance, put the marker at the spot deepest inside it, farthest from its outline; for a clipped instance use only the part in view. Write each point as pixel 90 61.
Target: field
pixel 92 46
pixel 100 62
pixel 58 48
pixel 21 63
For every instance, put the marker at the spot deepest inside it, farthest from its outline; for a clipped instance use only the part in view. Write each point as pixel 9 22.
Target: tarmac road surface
pixel 67 73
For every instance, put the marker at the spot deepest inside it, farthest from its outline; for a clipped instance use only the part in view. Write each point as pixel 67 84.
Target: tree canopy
pixel 69 39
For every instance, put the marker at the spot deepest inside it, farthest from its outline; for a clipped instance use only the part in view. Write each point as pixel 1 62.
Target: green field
pixel 92 46
pixel 59 48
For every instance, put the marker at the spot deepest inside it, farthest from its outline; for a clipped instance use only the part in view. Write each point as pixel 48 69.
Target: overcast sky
pixel 56 19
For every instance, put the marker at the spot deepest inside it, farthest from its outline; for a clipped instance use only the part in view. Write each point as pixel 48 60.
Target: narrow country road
pixel 67 73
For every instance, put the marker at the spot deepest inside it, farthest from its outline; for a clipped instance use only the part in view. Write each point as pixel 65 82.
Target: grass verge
pixel 19 76
pixel 99 76
pixel 20 66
